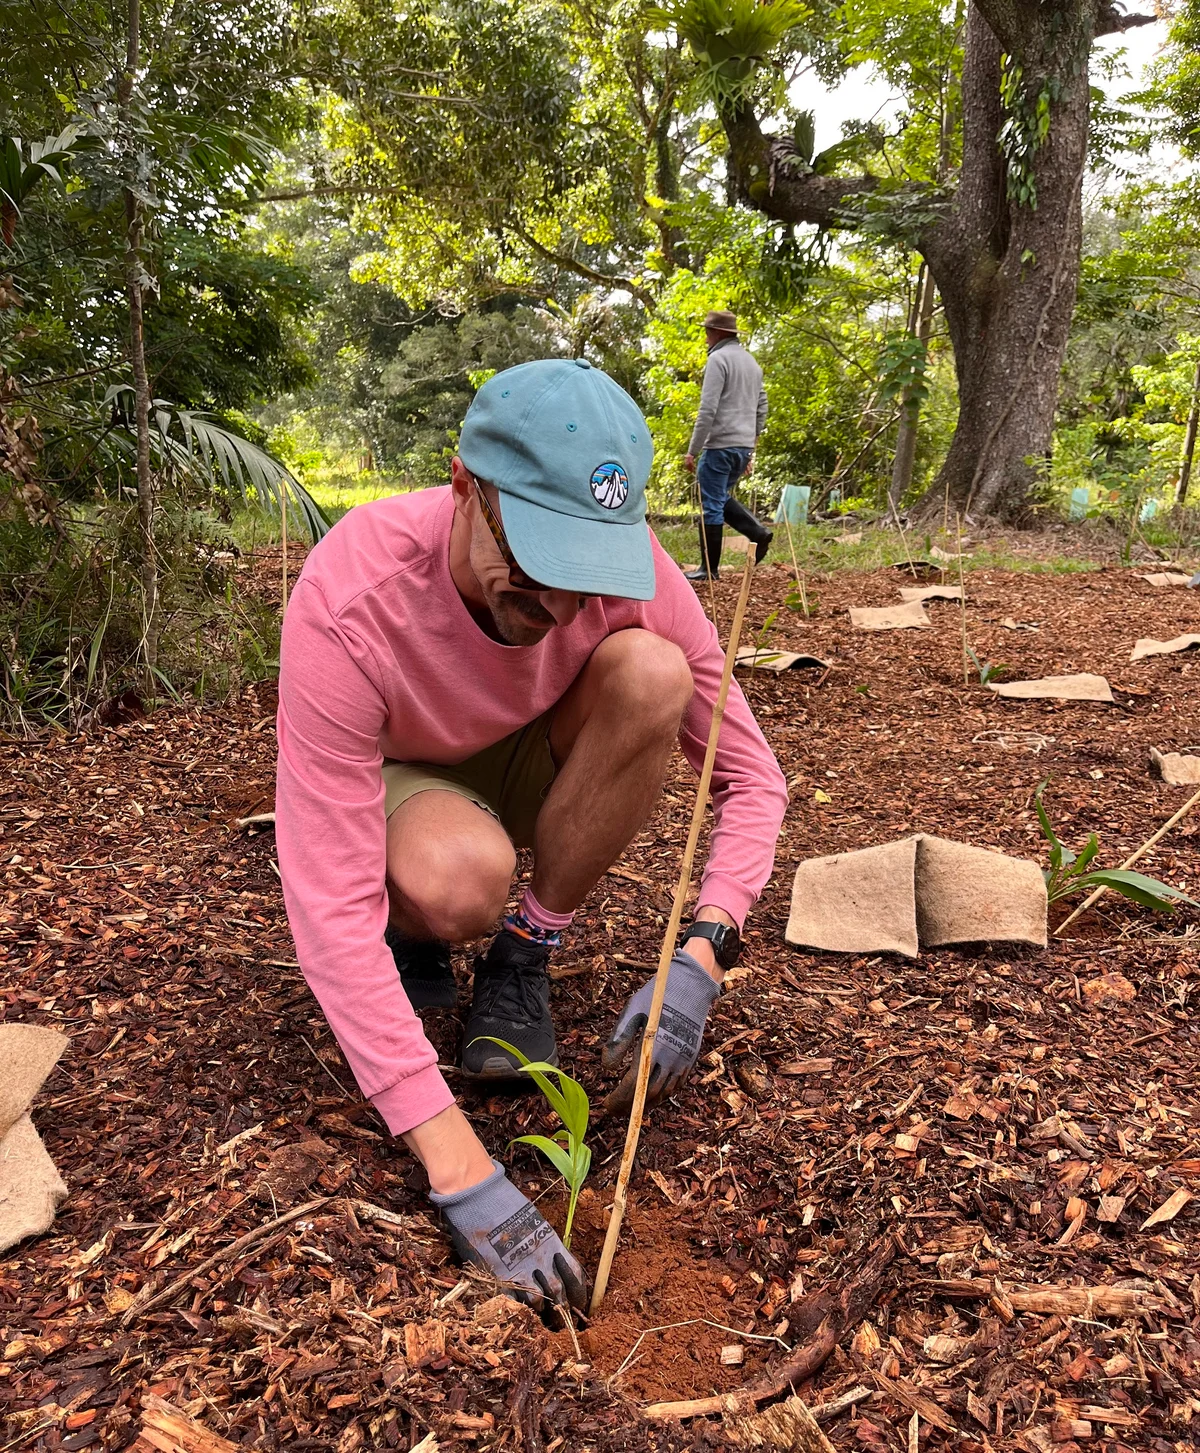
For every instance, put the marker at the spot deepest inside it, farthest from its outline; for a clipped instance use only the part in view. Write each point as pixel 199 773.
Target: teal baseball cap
pixel 570 453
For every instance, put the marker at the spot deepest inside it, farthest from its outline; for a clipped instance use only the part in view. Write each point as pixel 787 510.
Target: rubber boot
pixel 711 537
pixel 737 515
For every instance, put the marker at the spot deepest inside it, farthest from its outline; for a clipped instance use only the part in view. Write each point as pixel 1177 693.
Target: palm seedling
pixel 1071 872
pixel 565 1150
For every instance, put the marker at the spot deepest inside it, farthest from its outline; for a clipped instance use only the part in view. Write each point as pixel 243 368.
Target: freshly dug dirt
pixel 1003 1119
pixel 666 1277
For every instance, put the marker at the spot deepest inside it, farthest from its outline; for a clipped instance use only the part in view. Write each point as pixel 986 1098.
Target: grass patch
pixel 818 548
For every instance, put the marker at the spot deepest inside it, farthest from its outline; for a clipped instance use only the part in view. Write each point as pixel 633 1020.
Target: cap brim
pixel 594 557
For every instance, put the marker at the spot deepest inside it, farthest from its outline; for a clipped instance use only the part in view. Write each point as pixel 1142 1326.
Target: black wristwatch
pixel 726 941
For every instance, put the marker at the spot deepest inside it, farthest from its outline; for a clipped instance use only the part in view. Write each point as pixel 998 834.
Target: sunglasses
pixel 517 578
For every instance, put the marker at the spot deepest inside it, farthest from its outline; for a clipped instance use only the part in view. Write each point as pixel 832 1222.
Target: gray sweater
pixel 733 402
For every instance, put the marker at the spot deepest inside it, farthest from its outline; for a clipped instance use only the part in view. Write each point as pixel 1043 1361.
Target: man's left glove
pixel 494 1226
pixel 689 996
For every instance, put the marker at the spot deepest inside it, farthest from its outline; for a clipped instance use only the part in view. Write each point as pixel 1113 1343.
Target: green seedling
pixel 987 670
pixel 760 641
pixel 1068 872
pixel 566 1150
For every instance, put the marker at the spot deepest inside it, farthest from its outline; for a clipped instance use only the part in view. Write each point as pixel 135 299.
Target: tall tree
pixel 1003 247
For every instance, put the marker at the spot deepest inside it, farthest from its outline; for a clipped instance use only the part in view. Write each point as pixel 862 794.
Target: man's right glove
pixel 494 1226
pixel 689 996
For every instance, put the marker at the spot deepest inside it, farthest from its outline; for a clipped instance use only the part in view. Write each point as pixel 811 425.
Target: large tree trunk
pixel 1006 264
pixel 1007 271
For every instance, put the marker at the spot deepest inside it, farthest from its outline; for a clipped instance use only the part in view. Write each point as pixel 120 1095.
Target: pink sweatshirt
pixel 381 658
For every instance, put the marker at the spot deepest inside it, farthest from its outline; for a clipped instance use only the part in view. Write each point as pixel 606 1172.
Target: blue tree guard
pixel 1079 503
pixel 1149 510
pixel 793 505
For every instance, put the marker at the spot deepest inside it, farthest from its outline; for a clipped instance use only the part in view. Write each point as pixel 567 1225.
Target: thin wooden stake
pixel 283 520
pixel 668 948
pixel 795 567
pixel 962 601
pixel 712 594
pixel 1132 858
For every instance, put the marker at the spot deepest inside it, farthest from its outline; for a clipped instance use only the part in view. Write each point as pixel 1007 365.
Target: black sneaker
pixel 425 970
pixel 511 1002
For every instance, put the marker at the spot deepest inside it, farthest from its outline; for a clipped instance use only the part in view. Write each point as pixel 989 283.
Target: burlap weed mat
pixel 1175 768
pixel 1162 579
pixel 777 661
pixel 1080 687
pixel 889 617
pixel 931 592
pixel 30 1186
pixel 919 892
pixel 1148 646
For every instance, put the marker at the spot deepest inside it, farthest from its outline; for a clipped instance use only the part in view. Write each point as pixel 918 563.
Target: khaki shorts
pixel 509 779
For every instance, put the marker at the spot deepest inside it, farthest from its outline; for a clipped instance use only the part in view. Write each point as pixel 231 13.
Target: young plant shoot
pixel 1069 873
pixel 566 1150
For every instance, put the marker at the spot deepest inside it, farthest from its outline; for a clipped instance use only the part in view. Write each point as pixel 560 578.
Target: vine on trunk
pixel 1025 129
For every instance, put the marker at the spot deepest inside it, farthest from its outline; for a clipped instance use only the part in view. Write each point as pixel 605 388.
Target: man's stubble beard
pixel 517 627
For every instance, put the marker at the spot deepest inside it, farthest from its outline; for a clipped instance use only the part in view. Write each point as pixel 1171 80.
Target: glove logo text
pixel 517 1238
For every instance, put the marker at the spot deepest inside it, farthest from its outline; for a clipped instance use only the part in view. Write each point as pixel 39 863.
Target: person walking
pixel 504 662
pixel 733 410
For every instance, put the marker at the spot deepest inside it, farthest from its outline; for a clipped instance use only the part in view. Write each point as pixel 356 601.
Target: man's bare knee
pixel 450 865
pixel 458 889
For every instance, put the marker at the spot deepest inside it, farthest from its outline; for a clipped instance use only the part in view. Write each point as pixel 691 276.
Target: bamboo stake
pixel 283 522
pixel 962 602
pixel 795 567
pixel 1133 857
pixel 712 594
pixel 668 948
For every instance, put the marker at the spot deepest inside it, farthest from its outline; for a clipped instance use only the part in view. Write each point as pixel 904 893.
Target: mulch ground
pixel 1010 1116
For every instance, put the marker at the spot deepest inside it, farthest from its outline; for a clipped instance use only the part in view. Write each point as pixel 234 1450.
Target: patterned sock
pixel 536 923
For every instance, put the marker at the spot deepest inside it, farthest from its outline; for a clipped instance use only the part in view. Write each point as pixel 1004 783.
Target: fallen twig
pixel 850 1307
pixel 1060 1301
pixel 229 1253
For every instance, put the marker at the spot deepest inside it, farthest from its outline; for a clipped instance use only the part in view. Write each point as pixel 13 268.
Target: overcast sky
pixel 864 94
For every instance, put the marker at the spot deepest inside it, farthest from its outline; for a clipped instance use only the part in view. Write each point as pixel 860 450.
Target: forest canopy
pixel 260 255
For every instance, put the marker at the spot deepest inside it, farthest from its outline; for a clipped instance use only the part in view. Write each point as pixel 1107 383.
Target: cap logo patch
pixel 610 485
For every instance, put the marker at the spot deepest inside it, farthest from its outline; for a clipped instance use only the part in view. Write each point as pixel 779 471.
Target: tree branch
pixel 1110 20
pixel 762 179
pixel 581 269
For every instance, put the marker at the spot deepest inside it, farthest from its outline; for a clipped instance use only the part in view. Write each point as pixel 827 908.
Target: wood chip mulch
pixel 245 1251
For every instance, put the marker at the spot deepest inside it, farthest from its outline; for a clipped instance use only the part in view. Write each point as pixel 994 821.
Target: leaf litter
pixel 1014 1132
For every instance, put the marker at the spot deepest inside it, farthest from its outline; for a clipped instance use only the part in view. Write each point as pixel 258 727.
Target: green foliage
pixel 1025 129
pixel 567 1151
pixel 731 38
pixel 902 370
pixel 70 612
pixel 1069 872
pixel 986 669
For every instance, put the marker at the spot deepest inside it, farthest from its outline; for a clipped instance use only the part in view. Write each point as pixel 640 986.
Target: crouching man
pixel 503 663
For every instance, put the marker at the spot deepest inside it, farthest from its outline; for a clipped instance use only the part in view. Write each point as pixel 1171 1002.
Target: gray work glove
pixel 689 996
pixel 494 1226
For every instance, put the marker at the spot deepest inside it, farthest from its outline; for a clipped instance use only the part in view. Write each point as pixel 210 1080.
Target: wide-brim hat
pixel 721 322
pixel 570 453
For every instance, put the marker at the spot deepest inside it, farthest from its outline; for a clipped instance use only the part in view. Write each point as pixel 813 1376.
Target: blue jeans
pixel 717 473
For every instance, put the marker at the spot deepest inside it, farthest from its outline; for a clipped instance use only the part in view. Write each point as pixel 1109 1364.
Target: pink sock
pixel 533 921
pixel 542 917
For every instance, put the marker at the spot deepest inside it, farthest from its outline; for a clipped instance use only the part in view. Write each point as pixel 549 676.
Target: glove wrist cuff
pixel 449 1199
pixel 698 976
